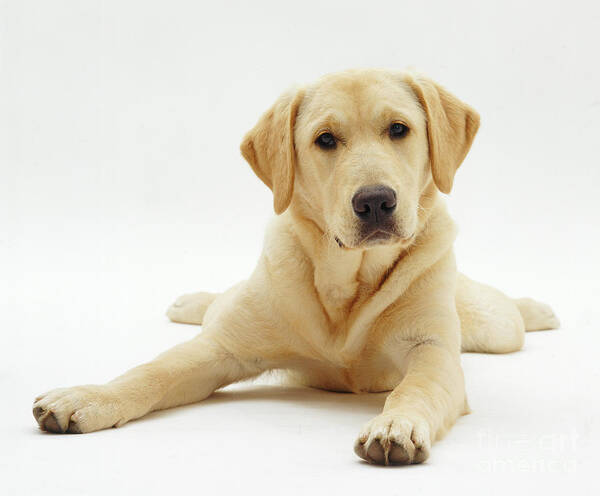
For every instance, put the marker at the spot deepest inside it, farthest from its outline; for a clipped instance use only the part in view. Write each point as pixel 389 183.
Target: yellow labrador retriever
pixel 356 289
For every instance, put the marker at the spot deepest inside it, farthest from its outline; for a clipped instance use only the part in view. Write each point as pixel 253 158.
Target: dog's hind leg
pixel 190 308
pixel 492 322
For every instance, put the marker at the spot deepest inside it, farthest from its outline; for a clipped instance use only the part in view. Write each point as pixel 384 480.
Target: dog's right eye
pixel 326 141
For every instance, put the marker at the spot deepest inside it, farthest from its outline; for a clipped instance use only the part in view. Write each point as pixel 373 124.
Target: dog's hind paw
pixel 190 308
pixel 536 315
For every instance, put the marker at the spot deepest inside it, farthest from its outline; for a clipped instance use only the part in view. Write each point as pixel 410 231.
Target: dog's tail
pixel 536 316
pixel 190 308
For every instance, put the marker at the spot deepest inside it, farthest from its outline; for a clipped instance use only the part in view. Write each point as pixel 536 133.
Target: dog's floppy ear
pixel 269 148
pixel 451 128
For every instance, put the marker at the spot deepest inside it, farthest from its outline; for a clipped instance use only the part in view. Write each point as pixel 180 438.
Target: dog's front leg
pixel 420 409
pixel 184 374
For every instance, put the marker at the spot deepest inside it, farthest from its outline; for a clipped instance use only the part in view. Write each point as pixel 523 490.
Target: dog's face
pixel 362 158
pixel 355 152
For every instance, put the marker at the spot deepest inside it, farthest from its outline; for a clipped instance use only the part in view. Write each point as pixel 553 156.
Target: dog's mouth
pixel 375 238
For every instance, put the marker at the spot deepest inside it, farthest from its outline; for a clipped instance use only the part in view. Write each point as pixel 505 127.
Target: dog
pixel 356 288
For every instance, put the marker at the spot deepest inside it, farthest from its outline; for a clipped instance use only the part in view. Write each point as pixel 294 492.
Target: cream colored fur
pixel 336 311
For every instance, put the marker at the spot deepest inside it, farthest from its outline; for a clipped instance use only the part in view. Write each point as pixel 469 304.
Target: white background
pixel 122 187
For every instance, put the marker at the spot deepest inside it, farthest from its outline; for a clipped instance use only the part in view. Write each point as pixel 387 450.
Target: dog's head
pixel 356 151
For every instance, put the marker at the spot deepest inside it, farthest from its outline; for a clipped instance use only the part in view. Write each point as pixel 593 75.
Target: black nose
pixel 373 204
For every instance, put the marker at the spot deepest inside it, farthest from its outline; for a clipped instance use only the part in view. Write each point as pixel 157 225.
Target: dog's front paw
pixel 394 439
pixel 77 410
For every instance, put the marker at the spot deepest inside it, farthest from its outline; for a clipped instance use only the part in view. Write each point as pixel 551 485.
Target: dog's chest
pixel 374 374
pixel 338 301
pixel 354 352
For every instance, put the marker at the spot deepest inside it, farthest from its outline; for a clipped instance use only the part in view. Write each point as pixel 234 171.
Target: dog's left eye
pixel 398 130
pixel 326 141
